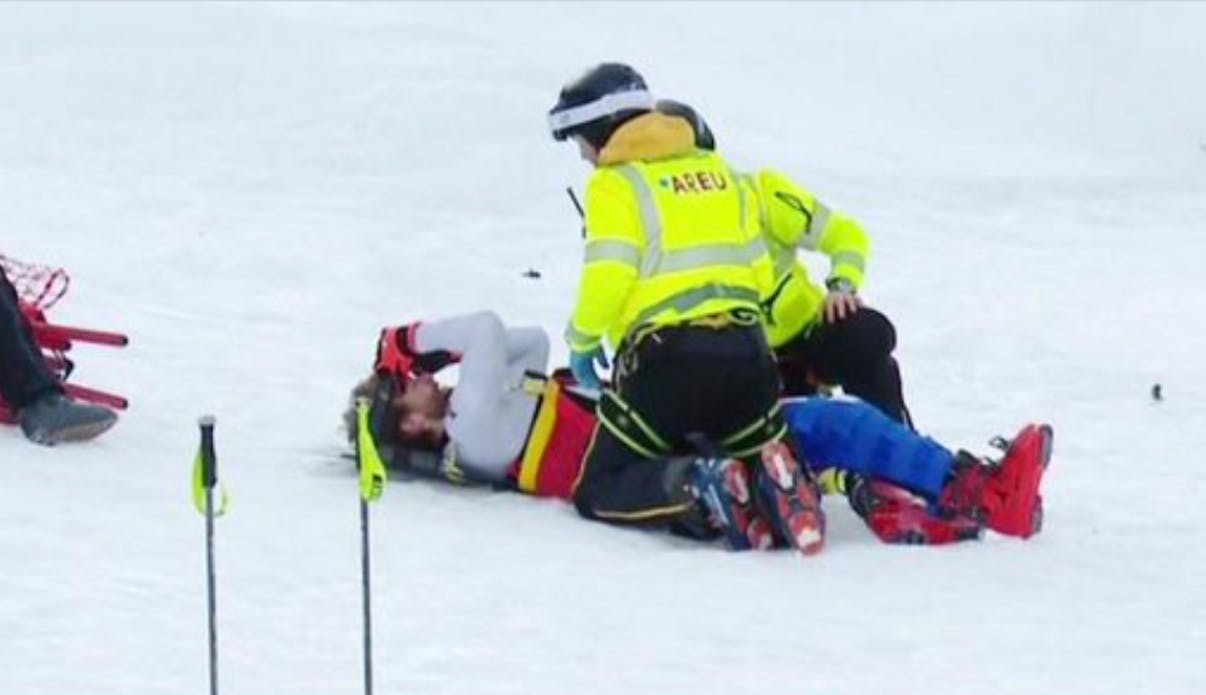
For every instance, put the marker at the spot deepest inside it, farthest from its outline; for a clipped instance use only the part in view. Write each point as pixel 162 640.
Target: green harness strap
pixel 629 427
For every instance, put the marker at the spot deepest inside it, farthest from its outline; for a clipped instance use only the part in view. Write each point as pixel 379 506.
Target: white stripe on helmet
pixel 605 106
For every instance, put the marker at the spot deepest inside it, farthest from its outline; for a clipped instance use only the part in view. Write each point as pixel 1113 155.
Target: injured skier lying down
pixel 509 424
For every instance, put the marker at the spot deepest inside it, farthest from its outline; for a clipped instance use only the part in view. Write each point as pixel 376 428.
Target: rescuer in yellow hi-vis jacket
pixel 821 336
pixel 674 277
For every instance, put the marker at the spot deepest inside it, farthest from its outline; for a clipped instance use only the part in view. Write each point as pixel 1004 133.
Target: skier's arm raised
pixel 489 412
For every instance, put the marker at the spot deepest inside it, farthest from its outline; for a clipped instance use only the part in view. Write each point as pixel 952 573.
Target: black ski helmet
pixel 704 139
pixel 598 102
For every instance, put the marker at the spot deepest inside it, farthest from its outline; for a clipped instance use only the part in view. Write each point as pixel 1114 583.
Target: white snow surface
pixel 251 191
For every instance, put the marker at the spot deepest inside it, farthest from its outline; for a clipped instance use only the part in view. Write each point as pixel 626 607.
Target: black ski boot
pixel 55 418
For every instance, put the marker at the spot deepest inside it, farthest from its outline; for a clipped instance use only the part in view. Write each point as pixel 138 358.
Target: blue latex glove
pixel 582 364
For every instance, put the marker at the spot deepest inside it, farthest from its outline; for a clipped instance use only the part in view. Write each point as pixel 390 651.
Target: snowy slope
pixel 250 191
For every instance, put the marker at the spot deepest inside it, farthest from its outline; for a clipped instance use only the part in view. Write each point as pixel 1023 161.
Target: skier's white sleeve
pixel 490 413
pixel 528 349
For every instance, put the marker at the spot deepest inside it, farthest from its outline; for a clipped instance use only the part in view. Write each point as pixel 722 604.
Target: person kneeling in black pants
pixel 854 352
pixel 690 434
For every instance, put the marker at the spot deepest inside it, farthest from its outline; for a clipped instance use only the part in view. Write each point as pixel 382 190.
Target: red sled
pixel 42 287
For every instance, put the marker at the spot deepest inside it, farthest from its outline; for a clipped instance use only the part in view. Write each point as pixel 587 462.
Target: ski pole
pixel 372 484
pixel 205 476
pixel 366 594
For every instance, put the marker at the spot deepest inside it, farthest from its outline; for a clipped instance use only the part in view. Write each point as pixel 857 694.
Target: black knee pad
pixel 867 337
pixel 871 334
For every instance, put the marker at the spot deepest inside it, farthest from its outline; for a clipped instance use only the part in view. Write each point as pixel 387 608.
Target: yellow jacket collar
pixel 650 136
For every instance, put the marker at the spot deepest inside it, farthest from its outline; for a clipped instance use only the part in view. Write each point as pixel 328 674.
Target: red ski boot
pixel 722 485
pixel 898 516
pixel 1005 495
pixel 790 500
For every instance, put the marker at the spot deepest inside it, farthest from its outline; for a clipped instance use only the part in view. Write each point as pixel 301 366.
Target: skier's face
pixel 423 405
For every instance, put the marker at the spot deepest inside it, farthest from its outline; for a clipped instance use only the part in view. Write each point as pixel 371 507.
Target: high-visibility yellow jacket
pixel 672 233
pixel 792 218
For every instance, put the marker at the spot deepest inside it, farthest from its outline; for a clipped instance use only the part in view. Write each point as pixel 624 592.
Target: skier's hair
pixel 368 388
pixel 364 388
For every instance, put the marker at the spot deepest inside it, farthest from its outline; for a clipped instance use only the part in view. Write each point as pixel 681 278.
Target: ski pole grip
pixel 209 459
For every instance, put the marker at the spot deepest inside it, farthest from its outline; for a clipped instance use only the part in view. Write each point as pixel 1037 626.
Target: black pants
pixel 855 353
pixel 676 381
pixel 24 375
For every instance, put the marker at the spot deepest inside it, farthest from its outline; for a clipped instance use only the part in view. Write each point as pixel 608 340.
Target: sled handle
pixel 57 333
pixel 96 396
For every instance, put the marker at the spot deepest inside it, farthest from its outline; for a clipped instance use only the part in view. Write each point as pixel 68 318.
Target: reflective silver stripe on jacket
pixel 753 184
pixel 816 227
pixel 850 258
pixel 685 301
pixel 624 252
pixel 573 336
pixel 741 195
pixel 784 258
pixel 742 255
pixel 651 218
